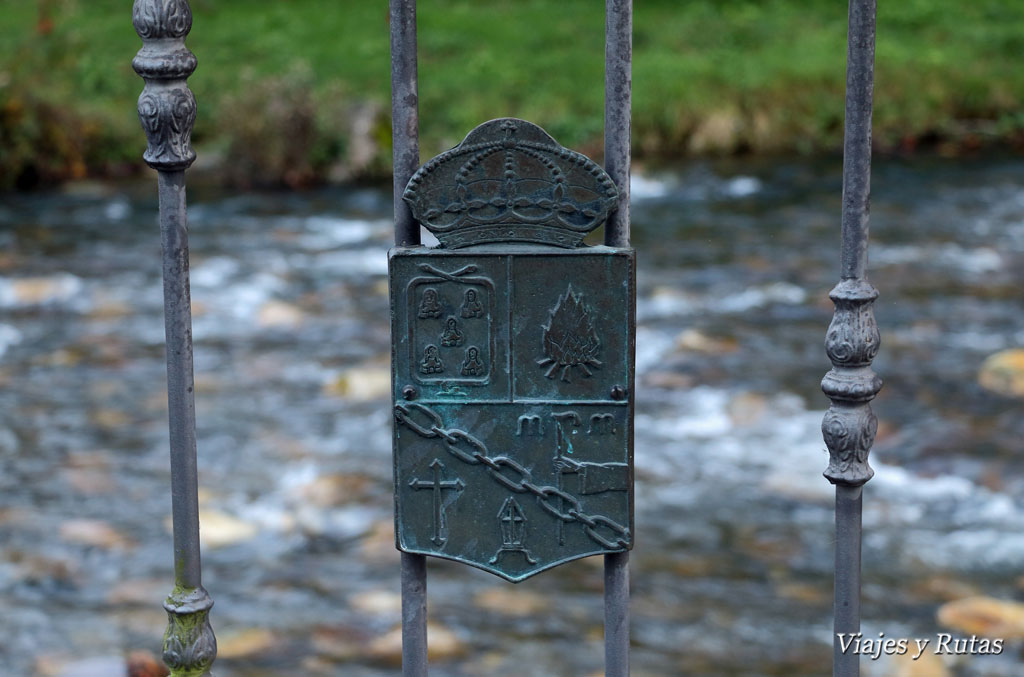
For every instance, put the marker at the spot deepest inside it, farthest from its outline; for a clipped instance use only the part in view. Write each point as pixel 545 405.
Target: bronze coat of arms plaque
pixel 512 359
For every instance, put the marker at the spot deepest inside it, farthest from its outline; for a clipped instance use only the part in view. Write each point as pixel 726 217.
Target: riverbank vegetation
pixel 295 93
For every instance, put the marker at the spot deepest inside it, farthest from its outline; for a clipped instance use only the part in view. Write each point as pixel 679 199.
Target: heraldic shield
pixel 512 359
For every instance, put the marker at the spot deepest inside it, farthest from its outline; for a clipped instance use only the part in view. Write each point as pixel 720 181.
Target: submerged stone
pixel 984 616
pixel 1003 373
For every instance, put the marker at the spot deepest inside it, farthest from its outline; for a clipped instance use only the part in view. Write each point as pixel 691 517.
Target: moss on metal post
pixel 190 646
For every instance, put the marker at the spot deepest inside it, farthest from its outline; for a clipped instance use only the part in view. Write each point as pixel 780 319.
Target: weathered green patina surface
pixel 512 359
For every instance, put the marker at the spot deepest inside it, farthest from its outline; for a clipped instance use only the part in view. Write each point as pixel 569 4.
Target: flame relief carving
pixel 570 339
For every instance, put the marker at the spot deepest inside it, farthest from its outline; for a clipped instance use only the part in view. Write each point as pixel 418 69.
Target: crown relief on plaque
pixel 509 181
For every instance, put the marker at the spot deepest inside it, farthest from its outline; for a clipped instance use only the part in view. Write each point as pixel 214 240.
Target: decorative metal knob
pixel 189 644
pixel 167 108
pixel 852 342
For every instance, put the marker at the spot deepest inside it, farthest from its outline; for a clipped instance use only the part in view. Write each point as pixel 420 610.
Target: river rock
pixel 926 665
pixel 670 380
pixel 377 602
pixel 339 643
pixel 136 664
pixel 512 602
pixel 93 666
pixel 145 664
pixel 694 340
pixel 747 408
pixel 370 381
pixel 805 593
pixel 329 491
pixel 941 588
pixel 38 291
pixel 244 642
pixel 139 592
pixel 278 314
pixel 442 645
pixel 219 529
pixel 378 545
pixel 36 568
pixel 984 616
pixel 1003 373
pixel 109 307
pixel 96 533
pixel 110 419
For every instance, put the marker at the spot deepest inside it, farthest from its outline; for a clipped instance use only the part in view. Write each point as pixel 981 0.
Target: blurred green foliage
pixel 710 76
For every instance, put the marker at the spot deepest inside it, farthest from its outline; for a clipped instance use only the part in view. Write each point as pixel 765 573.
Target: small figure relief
pixel 429 306
pixel 452 337
pixel 473 366
pixel 570 339
pixel 431 363
pixel 530 425
pixel 513 529
pixel 471 307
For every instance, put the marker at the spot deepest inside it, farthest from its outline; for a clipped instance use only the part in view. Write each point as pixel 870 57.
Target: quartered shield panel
pixel 512 360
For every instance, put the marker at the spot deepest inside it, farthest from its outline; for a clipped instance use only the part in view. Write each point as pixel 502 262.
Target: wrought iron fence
pixel 167 111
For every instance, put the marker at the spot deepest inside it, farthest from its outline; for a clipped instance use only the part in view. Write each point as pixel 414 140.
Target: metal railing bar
pixel 847 581
pixel 860 85
pixel 405 116
pixel 616 614
pixel 406 159
pixel 180 379
pixel 618 90
pixel 167 111
pixel 853 340
pixel 414 615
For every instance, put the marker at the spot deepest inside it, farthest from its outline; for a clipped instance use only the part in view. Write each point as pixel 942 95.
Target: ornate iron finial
pixel 509 181
pixel 189 644
pixel 167 108
pixel 851 343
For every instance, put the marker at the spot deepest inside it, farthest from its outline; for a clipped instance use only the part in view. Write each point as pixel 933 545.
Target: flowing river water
pixel 733 559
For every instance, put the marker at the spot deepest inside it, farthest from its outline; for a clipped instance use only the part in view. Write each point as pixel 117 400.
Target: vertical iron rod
pixel 405 115
pixel 847 592
pixel 414 615
pixel 616 614
pixel 852 341
pixel 860 86
pixel 618 90
pixel 180 379
pixel 406 159
pixel 167 111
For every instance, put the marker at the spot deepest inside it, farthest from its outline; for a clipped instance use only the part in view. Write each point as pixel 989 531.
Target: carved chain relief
pixel 567 502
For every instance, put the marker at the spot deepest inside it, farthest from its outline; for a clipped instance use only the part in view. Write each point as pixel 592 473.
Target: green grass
pixel 709 75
